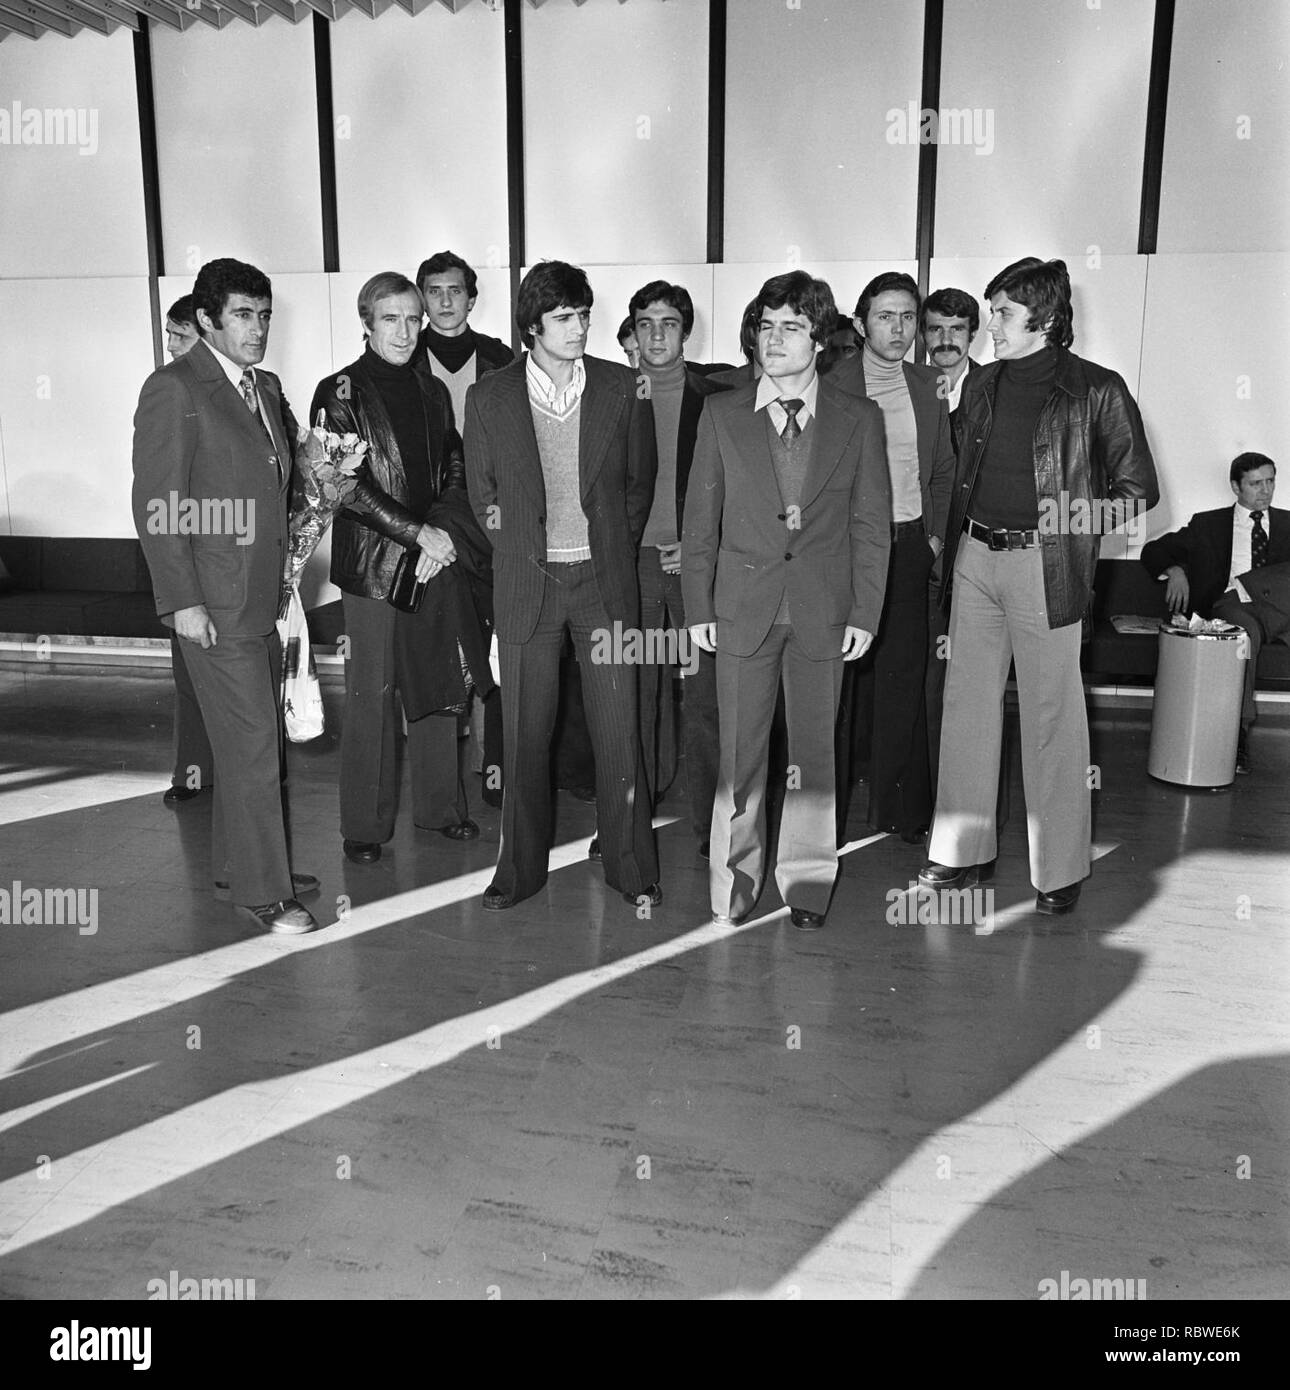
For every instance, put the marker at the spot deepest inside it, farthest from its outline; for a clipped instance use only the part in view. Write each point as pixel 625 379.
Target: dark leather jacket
pixel 1089 444
pixel 370 534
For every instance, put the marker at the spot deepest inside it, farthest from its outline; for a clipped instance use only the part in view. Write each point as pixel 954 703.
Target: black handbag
pixel 407 590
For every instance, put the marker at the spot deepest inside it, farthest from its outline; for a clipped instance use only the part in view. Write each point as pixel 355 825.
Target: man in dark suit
pixel 560 466
pixel 214 438
pixel 920 461
pixel 663 318
pixel 1233 563
pixel 784 565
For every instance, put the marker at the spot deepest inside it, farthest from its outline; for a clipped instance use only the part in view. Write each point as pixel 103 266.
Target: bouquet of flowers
pixel 328 464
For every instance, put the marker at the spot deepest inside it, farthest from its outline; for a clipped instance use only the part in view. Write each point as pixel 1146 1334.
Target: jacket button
pixel 541 521
pixel 783 516
pixel 787 555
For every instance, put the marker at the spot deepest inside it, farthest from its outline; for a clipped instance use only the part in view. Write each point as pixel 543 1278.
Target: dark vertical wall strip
pixel 1154 153
pixel 716 131
pixel 515 150
pixel 326 145
pixel 151 178
pixel 933 19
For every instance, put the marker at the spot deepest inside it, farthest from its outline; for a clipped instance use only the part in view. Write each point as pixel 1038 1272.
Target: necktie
pixel 247 388
pixel 1258 541
pixel 791 428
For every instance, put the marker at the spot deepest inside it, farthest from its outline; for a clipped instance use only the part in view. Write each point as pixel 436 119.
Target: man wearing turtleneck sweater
pixel 454 352
pixel 920 461
pixel 662 316
pixel 1040 425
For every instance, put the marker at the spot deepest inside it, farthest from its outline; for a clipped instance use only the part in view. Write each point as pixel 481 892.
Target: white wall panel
pixel 237 146
pixel 809 164
pixel 74 206
pixel 615 129
pixel 1063 90
pixel 420 108
pixel 1224 184
pixel 67 402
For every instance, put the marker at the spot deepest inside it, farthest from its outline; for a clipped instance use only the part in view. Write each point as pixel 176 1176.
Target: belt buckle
pixel 1016 540
pixel 994 542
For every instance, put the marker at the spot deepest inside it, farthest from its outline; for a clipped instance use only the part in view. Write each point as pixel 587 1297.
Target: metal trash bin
pixel 1196 714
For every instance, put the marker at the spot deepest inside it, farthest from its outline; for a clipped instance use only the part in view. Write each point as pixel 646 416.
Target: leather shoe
pixel 593 849
pixel 463 830
pixel 1057 901
pixel 915 837
pixel 495 900
pixel 174 795
pixel 651 894
pixel 1243 752
pixel 804 920
pixel 302 883
pixel 933 875
pixel 361 852
pixel 286 918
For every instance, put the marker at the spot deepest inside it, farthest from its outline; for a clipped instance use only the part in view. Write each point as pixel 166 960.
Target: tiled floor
pixel 562 1101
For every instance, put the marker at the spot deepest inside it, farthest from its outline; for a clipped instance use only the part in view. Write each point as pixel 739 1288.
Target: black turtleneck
pixel 1005 497
pixel 401 396
pixel 454 353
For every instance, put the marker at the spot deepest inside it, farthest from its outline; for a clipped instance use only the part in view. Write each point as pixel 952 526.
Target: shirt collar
pixel 545 393
pixel 768 394
pixel 231 368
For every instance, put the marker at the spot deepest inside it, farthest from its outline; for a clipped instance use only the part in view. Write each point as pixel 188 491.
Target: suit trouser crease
pixel 529 672
pixel 806 859
pixel 192 748
pixel 999 615
pixel 238 685
pixel 369 768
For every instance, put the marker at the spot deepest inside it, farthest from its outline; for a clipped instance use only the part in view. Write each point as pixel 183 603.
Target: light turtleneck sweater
pixel 666 388
pixel 886 385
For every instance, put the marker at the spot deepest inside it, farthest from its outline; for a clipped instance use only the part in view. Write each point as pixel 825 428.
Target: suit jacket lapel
pixel 833 429
pixel 600 406
pixel 271 400
pixel 515 426
pixel 226 399
pixel 748 435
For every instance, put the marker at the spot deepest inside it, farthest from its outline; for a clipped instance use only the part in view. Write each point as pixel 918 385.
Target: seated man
pixel 1233 563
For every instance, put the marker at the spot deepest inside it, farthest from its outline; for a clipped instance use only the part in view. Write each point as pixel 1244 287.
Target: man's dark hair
pixel 217 280
pixel 803 294
pixel 442 262
pixel 660 292
pixel 1247 463
pixel 1044 287
pixel 183 311
pixel 888 280
pixel 550 285
pixel 748 326
pixel 626 329
pixel 952 304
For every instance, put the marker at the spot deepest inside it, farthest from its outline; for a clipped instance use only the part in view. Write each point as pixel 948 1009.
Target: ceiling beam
pixel 163 14
pixel 15 25
pixel 243 9
pixel 78 14
pixel 23 9
pixel 113 10
pixel 288 9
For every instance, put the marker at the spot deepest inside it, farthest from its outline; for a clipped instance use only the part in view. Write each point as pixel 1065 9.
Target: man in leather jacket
pixel 1052 453
pixel 411 495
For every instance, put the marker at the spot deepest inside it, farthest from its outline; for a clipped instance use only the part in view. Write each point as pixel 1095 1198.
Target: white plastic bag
pixel 302 706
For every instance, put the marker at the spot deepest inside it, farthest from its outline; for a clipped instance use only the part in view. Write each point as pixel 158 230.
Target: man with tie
pixel 783 569
pixel 560 468
pixel 214 437
pixel 1233 563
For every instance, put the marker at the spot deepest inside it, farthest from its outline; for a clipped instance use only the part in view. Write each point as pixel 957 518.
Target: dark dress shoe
pixel 804 920
pixel 495 900
pixel 934 875
pixel 360 852
pixel 593 849
pixel 914 837
pixel 302 883
pixel 651 894
pixel 286 918
pixel 1058 901
pixel 463 830
pixel 174 795
pixel 1243 752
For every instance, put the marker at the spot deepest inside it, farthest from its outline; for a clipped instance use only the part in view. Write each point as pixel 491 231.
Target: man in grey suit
pixel 560 466
pixel 213 452
pixel 783 568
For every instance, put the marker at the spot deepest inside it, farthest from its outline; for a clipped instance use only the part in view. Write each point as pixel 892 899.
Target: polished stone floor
pixel 563 1101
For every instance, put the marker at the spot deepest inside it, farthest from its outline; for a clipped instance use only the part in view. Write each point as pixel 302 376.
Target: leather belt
pixel 1000 540
pixel 907 528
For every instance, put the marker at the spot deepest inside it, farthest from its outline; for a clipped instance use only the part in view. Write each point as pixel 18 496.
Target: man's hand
pixel 437 551
pixel 704 636
pixel 855 643
pixel 669 557
pixel 1177 590
pixel 194 625
pixel 936 544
